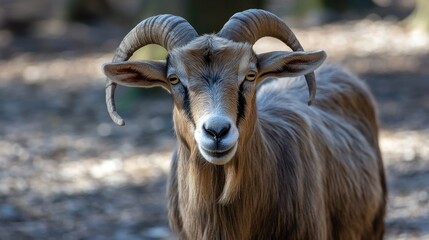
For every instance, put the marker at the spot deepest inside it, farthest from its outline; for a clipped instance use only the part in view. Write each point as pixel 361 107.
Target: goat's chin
pixel 218 158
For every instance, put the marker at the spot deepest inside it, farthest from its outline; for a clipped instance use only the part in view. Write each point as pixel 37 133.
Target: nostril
pixel 217 131
pixel 210 131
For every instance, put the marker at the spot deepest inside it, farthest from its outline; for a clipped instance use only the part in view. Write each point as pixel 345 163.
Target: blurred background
pixel 67 172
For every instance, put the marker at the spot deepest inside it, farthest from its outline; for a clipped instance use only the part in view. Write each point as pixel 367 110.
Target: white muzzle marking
pixel 216 136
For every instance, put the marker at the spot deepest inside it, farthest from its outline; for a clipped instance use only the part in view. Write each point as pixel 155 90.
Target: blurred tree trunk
pixel 346 5
pixel 85 11
pixel 419 18
pixel 208 16
pixel 331 7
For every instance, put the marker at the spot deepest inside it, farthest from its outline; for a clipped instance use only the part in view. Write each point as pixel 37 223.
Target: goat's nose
pixel 216 129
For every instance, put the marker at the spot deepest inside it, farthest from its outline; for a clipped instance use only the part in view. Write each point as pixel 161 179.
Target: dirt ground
pixel 67 172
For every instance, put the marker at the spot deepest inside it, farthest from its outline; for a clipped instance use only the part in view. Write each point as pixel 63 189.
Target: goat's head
pixel 212 78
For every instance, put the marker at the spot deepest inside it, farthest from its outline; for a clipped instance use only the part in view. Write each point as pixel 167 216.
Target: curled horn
pixel 166 30
pixel 253 24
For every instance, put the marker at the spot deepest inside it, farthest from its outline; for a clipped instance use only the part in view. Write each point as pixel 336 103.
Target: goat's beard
pixel 209 184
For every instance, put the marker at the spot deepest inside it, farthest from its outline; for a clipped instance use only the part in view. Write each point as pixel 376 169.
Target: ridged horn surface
pixel 253 24
pixel 166 30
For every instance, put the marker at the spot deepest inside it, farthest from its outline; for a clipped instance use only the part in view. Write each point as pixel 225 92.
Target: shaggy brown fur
pixel 299 172
pixel 259 163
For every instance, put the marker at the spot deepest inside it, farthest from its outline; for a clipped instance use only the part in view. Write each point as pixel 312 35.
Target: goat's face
pixel 213 81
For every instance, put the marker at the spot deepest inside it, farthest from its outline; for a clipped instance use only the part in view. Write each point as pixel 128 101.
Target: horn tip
pixel 311 98
pixel 117 119
pixel 119 122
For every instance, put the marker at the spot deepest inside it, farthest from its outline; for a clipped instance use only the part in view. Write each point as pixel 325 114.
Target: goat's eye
pixel 174 79
pixel 251 76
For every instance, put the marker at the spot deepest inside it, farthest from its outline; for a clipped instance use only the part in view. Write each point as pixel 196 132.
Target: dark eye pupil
pixel 174 79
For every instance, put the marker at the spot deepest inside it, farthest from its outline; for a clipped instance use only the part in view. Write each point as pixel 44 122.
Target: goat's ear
pixel 289 64
pixel 138 74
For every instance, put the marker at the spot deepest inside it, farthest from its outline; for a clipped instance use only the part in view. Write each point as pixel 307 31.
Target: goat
pixel 252 160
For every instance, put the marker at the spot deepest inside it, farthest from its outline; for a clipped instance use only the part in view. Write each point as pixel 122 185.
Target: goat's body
pixel 304 173
pixel 259 164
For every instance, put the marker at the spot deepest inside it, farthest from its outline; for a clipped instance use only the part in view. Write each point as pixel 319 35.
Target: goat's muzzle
pixel 216 137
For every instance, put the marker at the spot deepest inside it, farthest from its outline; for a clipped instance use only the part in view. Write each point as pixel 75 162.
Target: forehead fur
pixel 214 44
pixel 211 51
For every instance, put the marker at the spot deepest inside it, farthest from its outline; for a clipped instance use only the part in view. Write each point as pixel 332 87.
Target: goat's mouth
pixel 218 157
